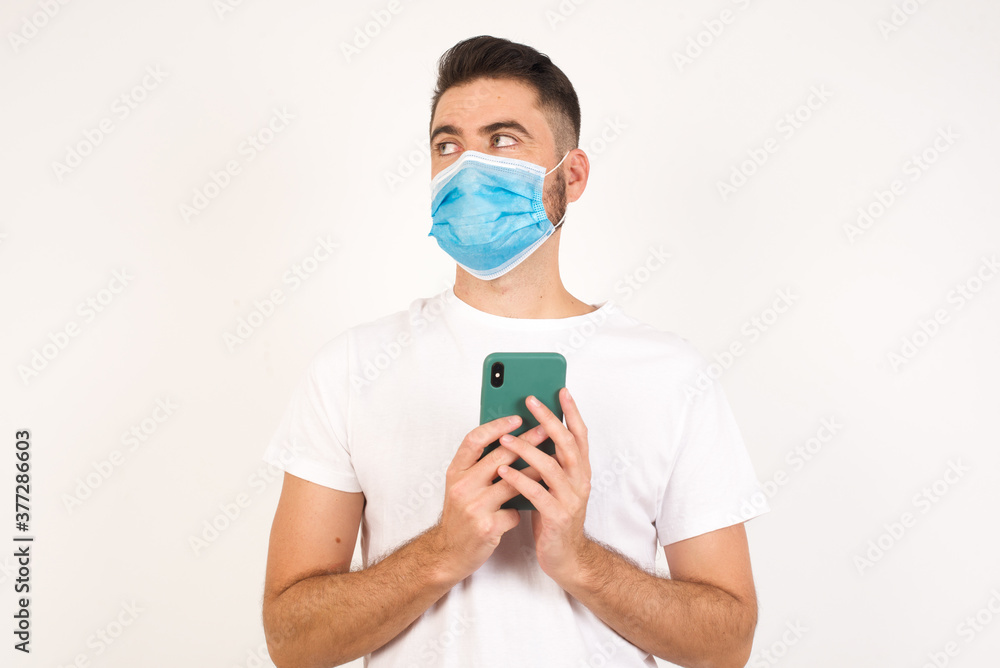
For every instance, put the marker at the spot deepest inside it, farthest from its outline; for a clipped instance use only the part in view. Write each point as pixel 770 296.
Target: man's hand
pixel 557 520
pixel 472 522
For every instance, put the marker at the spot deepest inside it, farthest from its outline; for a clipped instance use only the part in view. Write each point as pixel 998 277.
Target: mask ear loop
pixel 556 226
pixel 560 162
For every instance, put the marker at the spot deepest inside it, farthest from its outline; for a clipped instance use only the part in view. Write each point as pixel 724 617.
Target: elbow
pixel 742 645
pixel 281 645
pixel 274 653
pixel 286 649
pixel 733 656
pixel 741 656
pixel 733 651
pixel 287 642
pixel 281 660
pixel 272 637
pixel 283 655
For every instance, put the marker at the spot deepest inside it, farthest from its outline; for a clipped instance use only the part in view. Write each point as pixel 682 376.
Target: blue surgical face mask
pixel 487 212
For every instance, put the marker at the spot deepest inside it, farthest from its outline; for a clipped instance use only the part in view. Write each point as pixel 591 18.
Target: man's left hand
pixel 560 510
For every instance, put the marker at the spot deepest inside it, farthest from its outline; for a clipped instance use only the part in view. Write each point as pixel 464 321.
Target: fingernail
pixel 514 419
pixel 506 438
pixel 532 401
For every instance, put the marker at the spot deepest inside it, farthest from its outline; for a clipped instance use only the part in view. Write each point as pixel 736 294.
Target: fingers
pixel 574 422
pixel 477 440
pixel 485 470
pixel 502 491
pixel 547 467
pixel 568 450
pixel 571 461
pixel 531 488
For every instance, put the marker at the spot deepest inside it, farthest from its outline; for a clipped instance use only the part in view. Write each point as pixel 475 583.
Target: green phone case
pixel 538 374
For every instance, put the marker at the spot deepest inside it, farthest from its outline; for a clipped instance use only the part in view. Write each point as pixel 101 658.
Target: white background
pixel 672 131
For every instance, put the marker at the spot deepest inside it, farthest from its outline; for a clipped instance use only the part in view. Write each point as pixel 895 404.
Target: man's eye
pixel 446 148
pixel 500 141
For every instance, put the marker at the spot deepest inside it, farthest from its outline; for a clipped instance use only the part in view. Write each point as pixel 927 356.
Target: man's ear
pixel 577 173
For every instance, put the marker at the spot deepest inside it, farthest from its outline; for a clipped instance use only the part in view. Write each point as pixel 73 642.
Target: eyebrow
pixel 485 130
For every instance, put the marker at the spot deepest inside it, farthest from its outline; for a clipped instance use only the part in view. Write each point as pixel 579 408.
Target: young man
pixel 390 443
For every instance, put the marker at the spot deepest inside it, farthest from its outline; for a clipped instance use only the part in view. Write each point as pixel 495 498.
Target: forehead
pixel 484 101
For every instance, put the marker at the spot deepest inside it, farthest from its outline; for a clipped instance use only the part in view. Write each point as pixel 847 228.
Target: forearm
pixel 687 623
pixel 330 619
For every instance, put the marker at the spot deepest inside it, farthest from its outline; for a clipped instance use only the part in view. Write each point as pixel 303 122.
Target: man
pixel 381 433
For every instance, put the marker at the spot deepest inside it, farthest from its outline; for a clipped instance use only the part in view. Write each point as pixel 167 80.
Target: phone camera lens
pixel 496 374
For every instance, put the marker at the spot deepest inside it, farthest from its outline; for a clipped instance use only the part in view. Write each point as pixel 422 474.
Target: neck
pixel 533 289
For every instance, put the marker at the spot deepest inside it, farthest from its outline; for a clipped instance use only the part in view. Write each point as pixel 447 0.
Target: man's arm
pixel 318 614
pixel 704 615
pixel 315 612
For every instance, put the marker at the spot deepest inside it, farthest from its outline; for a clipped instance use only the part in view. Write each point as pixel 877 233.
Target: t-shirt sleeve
pixel 712 483
pixel 311 439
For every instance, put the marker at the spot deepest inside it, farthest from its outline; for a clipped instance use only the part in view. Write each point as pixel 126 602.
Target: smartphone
pixel 508 379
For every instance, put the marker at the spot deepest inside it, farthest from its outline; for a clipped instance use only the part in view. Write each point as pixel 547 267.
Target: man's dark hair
pixel 497 58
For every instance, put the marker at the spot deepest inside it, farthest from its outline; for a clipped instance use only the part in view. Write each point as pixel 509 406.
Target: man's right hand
pixel 318 612
pixel 472 522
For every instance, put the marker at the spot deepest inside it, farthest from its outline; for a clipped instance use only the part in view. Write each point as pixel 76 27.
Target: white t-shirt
pixel 384 406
